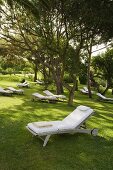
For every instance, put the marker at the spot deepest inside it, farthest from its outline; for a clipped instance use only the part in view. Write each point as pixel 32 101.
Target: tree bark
pixel 71 90
pixel 88 69
pixel 35 72
pixel 59 85
pixel 71 95
pixel 88 81
pixel 112 92
pixel 58 77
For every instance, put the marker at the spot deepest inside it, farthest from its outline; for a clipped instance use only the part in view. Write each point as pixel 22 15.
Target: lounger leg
pixel 46 140
pixel 94 132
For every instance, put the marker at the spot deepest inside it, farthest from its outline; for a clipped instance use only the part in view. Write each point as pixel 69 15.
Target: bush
pixel 68 79
pixel 14 78
pixel 83 79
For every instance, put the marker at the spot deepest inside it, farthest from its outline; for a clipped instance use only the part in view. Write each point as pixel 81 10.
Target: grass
pixel 19 150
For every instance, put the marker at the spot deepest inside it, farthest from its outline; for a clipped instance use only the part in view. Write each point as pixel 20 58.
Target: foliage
pixel 72 61
pixel 83 73
pixel 45 37
pixel 103 66
pixel 67 78
pixel 15 77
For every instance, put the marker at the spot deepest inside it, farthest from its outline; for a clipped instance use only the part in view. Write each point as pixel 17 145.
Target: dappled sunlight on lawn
pixel 8 102
pixel 78 151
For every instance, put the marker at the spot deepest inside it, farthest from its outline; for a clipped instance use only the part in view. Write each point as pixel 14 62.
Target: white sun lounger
pixel 71 124
pixel 16 91
pixel 84 91
pixel 101 97
pixel 39 82
pixel 48 93
pixel 5 92
pixel 25 84
pixel 38 96
pixel 85 88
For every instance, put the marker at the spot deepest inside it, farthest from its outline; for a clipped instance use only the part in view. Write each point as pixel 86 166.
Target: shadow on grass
pixel 20 151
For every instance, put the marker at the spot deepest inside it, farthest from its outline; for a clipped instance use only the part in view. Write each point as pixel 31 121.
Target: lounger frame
pixel 79 129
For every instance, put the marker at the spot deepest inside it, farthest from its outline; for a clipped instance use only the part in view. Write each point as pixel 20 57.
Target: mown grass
pixel 19 150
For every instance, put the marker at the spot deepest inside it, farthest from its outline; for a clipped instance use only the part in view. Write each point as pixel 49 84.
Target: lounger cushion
pixel 44 127
pixel 38 95
pixel 77 116
pixel 70 122
pixel 47 92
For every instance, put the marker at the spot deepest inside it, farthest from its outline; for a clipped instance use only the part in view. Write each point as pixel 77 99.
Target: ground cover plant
pixel 20 150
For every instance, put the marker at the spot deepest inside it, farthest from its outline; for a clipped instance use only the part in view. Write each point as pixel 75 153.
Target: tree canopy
pixel 52 34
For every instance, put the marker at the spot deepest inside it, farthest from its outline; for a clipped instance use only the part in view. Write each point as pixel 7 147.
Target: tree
pixel 93 19
pixel 57 25
pixel 72 68
pixel 103 65
pixel 19 33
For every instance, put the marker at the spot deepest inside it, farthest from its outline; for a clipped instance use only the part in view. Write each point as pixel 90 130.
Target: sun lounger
pixel 5 92
pixel 48 93
pixel 85 88
pixel 25 84
pixel 103 98
pixel 39 82
pixel 37 96
pixel 83 91
pixel 71 124
pixel 16 91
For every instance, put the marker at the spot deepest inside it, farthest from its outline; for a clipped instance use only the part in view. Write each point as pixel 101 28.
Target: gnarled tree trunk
pixel 35 72
pixel 58 78
pixel 89 49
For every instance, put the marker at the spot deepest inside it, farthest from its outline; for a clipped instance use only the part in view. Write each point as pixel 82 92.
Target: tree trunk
pixel 76 88
pixel 58 81
pixel 88 71
pixel 112 92
pixel 45 77
pixel 71 97
pixel 89 85
pixel 35 72
pixel 59 85
pixel 72 91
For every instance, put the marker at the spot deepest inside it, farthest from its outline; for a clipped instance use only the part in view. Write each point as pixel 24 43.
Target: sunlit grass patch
pixel 19 150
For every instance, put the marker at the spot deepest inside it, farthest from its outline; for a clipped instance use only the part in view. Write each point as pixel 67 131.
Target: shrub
pixel 83 79
pixel 67 78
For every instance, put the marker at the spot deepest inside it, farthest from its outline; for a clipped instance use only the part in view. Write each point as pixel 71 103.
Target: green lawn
pixel 19 150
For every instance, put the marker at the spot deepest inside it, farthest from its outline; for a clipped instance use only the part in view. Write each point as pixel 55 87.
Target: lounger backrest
pixel 38 81
pixel 78 116
pixel 47 92
pixel 11 88
pixel 101 96
pixel 2 90
pixel 85 88
pixel 38 95
pixel 25 83
pixel 84 91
